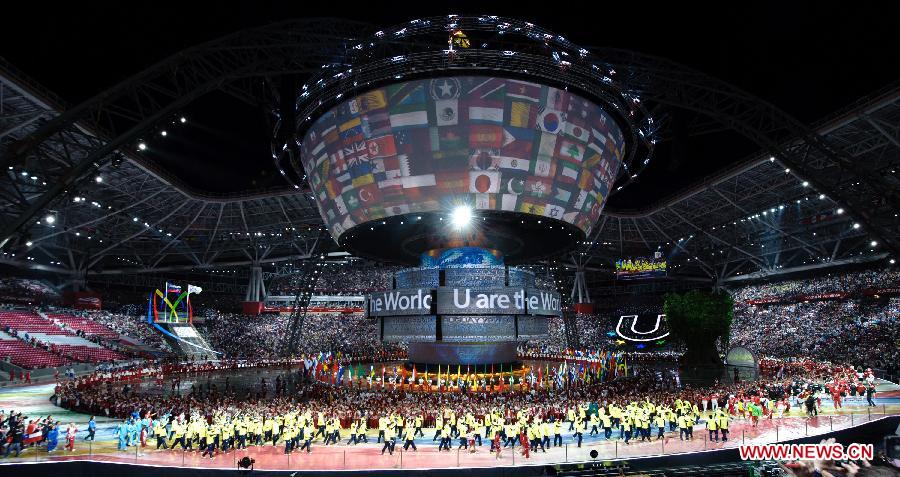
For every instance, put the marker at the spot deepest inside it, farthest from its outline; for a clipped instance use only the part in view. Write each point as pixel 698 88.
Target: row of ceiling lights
pixel 142 145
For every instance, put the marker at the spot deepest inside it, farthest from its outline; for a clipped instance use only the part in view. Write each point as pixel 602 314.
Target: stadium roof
pixel 755 217
pixel 759 218
pixel 808 62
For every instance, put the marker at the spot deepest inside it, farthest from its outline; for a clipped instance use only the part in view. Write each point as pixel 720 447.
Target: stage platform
pixel 34 401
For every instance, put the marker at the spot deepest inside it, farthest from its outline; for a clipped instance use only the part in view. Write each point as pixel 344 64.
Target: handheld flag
pixel 33 437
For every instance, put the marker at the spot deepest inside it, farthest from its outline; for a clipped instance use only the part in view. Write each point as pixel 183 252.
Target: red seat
pixel 29 323
pixel 25 356
pixel 88 326
pixel 89 354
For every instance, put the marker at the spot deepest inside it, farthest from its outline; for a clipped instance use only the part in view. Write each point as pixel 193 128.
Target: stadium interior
pixel 378 243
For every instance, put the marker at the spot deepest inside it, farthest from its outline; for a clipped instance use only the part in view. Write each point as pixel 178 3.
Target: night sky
pixel 810 59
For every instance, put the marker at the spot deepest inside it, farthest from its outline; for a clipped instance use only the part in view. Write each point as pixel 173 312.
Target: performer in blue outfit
pixel 133 430
pixel 92 429
pixel 53 437
pixel 122 434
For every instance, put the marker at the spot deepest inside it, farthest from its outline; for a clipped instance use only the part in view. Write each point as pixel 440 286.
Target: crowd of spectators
pixel 26 290
pixel 351 279
pixel 834 282
pixel 860 329
pixel 241 336
pixel 343 279
pixel 849 331
pixel 129 323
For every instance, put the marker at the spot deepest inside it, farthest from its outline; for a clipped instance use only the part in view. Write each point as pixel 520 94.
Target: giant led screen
pixel 493 143
pixel 638 268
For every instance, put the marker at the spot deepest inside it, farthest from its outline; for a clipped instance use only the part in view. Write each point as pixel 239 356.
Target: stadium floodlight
pixel 461 216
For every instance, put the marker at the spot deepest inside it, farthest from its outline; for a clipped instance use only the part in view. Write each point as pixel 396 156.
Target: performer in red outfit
pixel 526 446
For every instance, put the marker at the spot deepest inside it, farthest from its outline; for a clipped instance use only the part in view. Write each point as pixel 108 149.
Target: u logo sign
pixel 631 333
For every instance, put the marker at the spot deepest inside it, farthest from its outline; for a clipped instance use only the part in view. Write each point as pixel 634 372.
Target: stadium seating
pixel 68 340
pixel 64 345
pixel 88 326
pixel 27 356
pixel 25 321
pixel 89 354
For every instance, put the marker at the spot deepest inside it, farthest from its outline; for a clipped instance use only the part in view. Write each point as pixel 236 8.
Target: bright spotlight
pixel 461 216
pixel 183 120
pixel 856 225
pixel 163 133
pixel 28 244
pixel 142 146
pixel 98 179
pixel 50 219
pixel 840 211
pixel 874 243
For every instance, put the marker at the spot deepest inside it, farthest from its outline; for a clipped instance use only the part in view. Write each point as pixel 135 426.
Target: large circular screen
pixel 492 143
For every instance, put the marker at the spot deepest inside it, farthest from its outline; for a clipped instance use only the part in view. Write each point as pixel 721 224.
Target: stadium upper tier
pixel 33 340
pixel 844 317
pixel 796 203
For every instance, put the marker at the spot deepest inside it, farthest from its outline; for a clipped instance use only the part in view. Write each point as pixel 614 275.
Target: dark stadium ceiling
pixel 812 64
pixel 809 62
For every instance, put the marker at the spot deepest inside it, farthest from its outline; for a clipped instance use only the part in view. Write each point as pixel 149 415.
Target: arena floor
pixel 34 401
